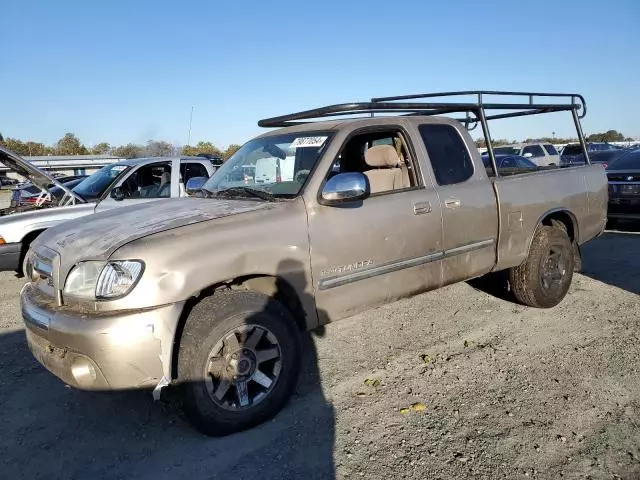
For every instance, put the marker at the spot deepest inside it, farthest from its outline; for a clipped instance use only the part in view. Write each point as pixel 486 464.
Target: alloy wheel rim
pixel 243 367
pixel 554 268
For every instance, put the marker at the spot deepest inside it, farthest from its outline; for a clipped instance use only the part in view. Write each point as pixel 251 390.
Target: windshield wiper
pixel 239 192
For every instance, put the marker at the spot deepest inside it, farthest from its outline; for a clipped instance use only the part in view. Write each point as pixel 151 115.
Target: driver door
pixel 373 251
pixel 148 182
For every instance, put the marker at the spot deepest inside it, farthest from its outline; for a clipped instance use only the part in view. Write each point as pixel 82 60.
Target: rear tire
pixel 543 280
pixel 239 361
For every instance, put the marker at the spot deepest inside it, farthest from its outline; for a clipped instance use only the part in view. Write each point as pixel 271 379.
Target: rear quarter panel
pixel 525 200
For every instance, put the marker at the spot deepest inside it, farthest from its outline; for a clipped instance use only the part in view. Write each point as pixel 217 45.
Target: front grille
pixel 44 263
pixel 623 177
pixel 42 266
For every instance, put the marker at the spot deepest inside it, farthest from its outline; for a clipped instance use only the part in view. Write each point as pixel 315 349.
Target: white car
pixel 542 154
pixel 120 184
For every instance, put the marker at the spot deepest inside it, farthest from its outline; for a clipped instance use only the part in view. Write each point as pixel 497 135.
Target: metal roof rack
pixel 532 106
pixel 428 104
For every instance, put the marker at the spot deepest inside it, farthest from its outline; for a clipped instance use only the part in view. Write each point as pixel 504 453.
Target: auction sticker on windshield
pixel 308 142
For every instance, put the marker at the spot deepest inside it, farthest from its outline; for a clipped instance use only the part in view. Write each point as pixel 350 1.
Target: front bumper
pixel 624 207
pixel 10 256
pixel 100 351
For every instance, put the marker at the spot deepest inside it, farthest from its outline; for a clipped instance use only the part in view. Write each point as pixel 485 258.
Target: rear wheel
pixel 238 362
pixel 543 280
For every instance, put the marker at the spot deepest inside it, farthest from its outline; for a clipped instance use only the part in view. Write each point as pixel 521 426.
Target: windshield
pixel 95 185
pixel 630 161
pixel 278 164
pixel 572 150
pixel 506 151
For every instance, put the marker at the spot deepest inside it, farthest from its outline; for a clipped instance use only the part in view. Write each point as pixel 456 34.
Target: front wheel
pixel 543 280
pixel 238 363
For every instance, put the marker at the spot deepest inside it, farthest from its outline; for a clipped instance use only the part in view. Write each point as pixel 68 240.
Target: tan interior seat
pixel 384 174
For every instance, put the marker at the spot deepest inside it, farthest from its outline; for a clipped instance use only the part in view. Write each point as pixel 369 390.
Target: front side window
pixel 277 165
pixel 533 150
pixel 149 181
pixel 383 156
pixel 448 154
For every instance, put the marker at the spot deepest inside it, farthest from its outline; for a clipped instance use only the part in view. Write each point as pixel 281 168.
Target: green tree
pixel 101 148
pixel 608 136
pixel 201 147
pixel 36 148
pixel 231 149
pixel 70 145
pixel 158 149
pixel 1 138
pixel 130 150
pixel 16 146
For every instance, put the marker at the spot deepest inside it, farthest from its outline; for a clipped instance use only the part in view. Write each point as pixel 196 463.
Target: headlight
pixel 93 280
pixel 118 278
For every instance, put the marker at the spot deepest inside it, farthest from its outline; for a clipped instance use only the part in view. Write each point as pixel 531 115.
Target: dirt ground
pixel 456 383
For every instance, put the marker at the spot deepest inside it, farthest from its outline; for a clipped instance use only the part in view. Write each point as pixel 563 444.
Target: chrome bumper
pixel 100 351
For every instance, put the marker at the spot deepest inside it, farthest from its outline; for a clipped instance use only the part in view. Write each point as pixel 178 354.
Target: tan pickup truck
pixel 211 294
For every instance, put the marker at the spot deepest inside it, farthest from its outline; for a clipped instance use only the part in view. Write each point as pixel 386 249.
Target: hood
pixel 107 231
pixel 37 176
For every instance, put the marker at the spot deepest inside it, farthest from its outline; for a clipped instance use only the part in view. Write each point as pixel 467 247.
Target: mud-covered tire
pixel 211 323
pixel 536 283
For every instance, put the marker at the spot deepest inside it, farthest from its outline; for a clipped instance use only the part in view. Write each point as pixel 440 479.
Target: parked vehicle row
pixel 121 184
pixel 542 154
pixel 624 188
pixel 306 224
pixel 599 152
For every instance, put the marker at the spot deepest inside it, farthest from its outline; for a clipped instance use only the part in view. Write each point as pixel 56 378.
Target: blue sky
pixel 124 71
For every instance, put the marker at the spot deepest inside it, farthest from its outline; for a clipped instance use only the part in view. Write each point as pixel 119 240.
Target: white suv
pixel 542 154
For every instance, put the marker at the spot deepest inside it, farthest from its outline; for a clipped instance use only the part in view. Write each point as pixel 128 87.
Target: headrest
pixel 165 178
pixel 381 156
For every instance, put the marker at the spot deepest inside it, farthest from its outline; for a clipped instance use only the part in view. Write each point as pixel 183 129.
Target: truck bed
pixel 524 199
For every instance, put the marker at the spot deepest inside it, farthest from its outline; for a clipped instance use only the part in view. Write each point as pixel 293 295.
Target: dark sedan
pixel 56 193
pixel 506 161
pixel 27 189
pixel 624 187
pixel 603 153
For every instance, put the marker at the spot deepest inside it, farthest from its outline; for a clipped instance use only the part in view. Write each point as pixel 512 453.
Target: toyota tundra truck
pixel 211 294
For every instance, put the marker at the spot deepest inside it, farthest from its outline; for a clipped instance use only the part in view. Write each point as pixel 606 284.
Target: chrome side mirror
pixel 194 185
pixel 345 187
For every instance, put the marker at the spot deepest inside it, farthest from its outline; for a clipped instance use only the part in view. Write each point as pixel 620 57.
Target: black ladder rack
pixel 428 104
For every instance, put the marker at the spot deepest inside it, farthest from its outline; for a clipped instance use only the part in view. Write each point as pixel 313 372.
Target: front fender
pixel 182 263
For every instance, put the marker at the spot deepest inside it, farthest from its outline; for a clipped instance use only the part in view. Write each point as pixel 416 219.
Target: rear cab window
pixel 448 153
pixel 551 150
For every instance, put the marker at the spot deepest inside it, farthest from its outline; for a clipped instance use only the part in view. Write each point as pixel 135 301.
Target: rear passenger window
pixel 448 153
pixel 551 150
pixel 190 170
pixel 534 150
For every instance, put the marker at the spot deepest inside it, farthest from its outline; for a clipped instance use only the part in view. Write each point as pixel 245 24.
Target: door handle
pixel 452 203
pixel 421 207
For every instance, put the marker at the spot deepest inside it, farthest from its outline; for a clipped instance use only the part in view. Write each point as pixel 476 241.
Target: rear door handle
pixel 452 203
pixel 421 207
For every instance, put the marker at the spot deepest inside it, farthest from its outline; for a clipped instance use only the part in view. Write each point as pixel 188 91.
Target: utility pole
pixel 190 122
